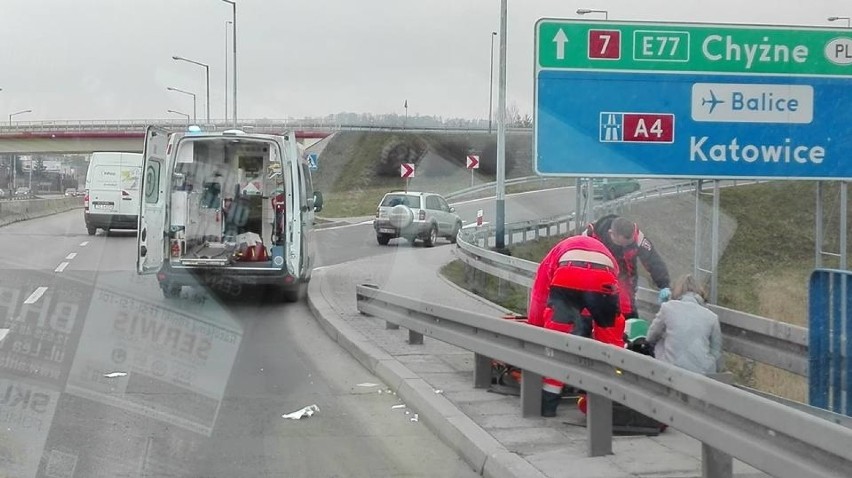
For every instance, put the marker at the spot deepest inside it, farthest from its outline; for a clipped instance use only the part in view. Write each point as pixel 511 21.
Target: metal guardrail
pixel 729 422
pixel 493 184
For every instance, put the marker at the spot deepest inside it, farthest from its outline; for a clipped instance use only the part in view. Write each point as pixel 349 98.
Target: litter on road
pixel 415 418
pixel 115 374
pixel 299 414
pixel 368 384
pixel 401 405
pixel 3 333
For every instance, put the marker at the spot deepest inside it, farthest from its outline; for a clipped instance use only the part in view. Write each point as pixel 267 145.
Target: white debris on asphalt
pixel 368 384
pixel 415 418
pixel 3 333
pixel 401 405
pixel 299 414
pixel 115 374
pixel 439 392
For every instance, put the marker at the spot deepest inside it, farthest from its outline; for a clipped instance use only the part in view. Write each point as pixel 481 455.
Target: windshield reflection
pixel 104 381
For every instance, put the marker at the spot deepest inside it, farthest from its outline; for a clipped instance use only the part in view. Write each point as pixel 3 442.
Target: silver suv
pixel 415 215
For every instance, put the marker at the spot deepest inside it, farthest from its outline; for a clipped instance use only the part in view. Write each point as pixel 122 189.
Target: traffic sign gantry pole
pixel 500 217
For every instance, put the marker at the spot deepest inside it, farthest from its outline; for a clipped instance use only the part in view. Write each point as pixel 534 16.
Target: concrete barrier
pixel 16 211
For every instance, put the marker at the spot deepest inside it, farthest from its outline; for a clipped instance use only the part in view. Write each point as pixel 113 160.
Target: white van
pixel 113 189
pixel 226 210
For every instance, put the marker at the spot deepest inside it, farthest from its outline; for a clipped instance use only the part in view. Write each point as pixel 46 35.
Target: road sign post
pixel 642 99
pixel 406 172
pixel 472 165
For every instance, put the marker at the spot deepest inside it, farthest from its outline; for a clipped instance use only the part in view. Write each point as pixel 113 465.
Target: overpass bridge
pixel 86 136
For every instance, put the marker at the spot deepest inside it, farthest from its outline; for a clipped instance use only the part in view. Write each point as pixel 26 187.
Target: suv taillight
pixel 86 201
pixel 422 214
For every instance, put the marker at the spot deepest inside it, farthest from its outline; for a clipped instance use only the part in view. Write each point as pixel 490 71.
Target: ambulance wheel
pixel 294 294
pixel 383 239
pixel 91 230
pixel 171 291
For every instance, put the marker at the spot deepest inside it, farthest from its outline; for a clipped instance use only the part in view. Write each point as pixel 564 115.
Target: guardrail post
pixel 599 425
pixel 481 371
pixel 415 338
pixel 715 463
pixel 530 394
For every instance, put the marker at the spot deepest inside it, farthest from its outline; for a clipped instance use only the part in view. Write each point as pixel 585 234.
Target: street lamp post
pixel 848 20
pixel 206 72
pixel 194 118
pixel 228 22
pixel 18 113
pixel 491 83
pixel 234 20
pixel 500 238
pixel 586 11
pixel 182 114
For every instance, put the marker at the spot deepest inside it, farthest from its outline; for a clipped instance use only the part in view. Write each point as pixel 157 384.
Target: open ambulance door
pixel 151 239
pixel 294 218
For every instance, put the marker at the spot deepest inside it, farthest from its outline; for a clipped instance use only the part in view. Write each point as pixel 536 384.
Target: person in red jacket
pixel 627 244
pixel 575 291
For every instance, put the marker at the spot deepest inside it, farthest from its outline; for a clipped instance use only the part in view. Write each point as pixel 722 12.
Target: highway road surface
pixel 102 377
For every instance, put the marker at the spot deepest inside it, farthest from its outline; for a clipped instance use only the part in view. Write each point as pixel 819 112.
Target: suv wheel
pixel 383 239
pixel 454 237
pixel 430 240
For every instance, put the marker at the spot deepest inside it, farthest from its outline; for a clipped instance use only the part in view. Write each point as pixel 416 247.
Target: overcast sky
pixel 111 59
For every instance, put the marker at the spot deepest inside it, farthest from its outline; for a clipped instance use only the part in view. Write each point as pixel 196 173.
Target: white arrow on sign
pixel 560 39
pixel 472 161
pixel 406 170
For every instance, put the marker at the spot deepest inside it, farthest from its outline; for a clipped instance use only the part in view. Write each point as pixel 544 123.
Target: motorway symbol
pixel 472 161
pixel 751 101
pixel 313 161
pixel 636 127
pixel 406 170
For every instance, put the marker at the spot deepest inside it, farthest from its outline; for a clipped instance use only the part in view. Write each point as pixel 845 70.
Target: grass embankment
pixel 764 269
pixel 358 168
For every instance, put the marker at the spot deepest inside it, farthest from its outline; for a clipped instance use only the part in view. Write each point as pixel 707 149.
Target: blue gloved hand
pixel 665 294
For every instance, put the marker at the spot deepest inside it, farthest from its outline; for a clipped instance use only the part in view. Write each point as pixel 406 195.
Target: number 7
pixel 605 43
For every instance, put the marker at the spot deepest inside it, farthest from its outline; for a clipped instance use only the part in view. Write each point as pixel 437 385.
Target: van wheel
pixel 171 291
pixel 383 239
pixel 91 230
pixel 430 240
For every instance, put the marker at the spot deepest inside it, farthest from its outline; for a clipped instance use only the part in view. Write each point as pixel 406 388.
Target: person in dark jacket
pixel 627 243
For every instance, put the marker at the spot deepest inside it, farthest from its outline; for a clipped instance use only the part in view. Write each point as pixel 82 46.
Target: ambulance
pixel 229 211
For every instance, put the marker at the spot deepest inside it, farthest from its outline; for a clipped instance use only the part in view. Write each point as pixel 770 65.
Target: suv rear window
pixel 392 200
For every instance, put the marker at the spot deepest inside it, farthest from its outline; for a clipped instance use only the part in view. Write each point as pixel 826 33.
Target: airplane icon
pixel 713 101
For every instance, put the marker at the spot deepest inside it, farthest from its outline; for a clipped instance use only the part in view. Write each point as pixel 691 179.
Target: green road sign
pixel 693 48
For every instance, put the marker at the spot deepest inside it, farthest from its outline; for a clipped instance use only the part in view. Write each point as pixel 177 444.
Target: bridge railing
pixel 729 422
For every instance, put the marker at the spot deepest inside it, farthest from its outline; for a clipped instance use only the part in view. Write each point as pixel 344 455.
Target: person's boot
pixel 549 402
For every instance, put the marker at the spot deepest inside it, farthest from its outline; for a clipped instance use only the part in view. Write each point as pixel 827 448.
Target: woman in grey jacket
pixel 685 333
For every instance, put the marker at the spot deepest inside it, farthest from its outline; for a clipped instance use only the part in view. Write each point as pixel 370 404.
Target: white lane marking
pixel 3 334
pixel 343 226
pixel 61 267
pixel 71 256
pixel 36 295
pixel 83 244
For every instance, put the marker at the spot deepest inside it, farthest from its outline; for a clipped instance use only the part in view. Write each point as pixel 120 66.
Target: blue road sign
pixel 693 126
pixel 313 161
pixel 601 109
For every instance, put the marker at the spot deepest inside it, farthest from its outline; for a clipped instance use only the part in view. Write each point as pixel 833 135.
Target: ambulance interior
pixel 227 206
